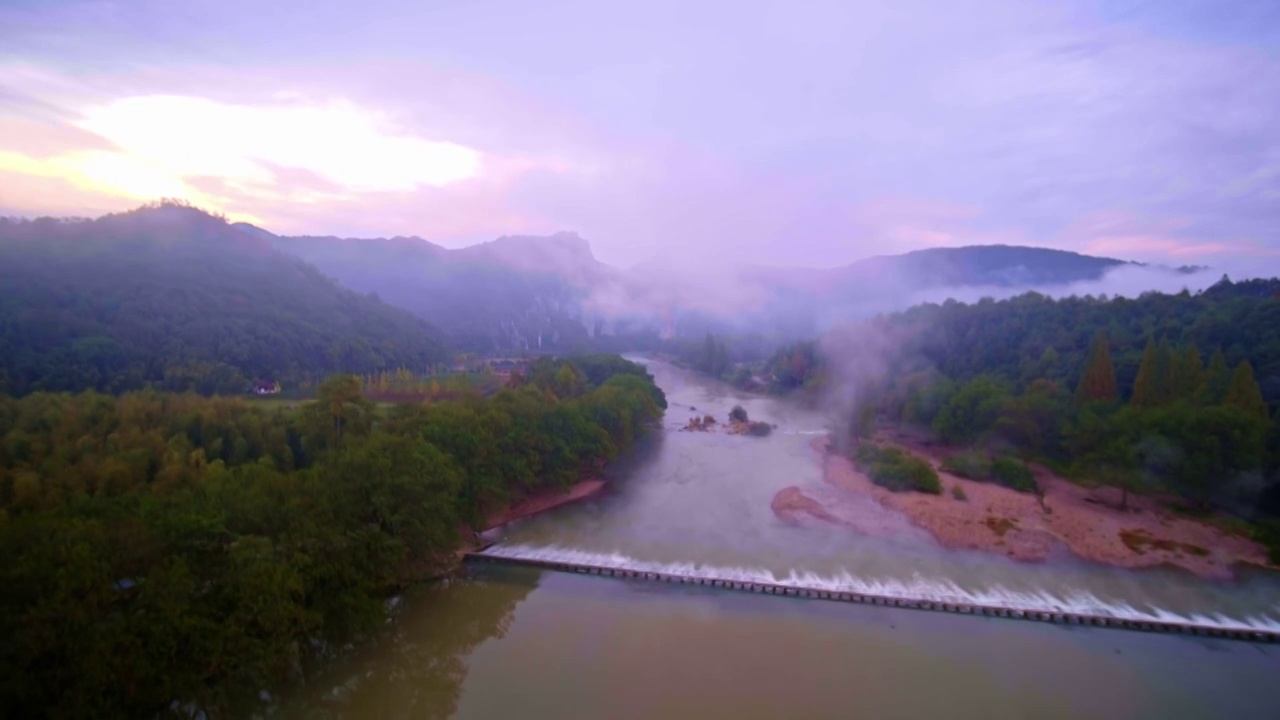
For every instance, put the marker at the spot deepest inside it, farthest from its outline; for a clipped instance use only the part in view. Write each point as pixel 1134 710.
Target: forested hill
pixel 172 297
pixel 1033 337
pixel 1169 393
pixel 515 294
pixel 990 265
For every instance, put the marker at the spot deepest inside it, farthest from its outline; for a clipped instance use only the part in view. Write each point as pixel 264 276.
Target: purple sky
pixel 798 133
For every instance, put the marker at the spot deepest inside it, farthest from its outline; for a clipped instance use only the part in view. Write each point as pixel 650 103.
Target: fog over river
pixel 516 642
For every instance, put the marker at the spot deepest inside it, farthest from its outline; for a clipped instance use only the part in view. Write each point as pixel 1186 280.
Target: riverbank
pixel 1024 527
pixel 542 502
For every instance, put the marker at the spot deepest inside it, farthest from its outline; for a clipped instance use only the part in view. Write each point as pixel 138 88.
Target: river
pixel 516 642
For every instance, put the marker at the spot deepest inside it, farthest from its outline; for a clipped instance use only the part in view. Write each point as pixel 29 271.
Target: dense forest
pixel 172 298
pixel 1171 393
pixel 169 553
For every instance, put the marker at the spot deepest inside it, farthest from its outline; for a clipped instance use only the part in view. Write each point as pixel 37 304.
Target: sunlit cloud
pixel 161 143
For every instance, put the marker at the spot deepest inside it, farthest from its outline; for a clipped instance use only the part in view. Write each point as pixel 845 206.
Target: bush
pixel 1007 471
pixel 1013 473
pixel 1268 533
pixel 971 464
pixel 957 492
pixel 759 429
pixel 738 414
pixel 897 469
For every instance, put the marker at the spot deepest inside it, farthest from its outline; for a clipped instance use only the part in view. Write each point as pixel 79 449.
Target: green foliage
pixel 1244 393
pixel 1008 339
pixel 1013 473
pixel 178 300
pixel 897 469
pixel 1004 470
pixel 1148 388
pixel 1098 381
pixel 1218 378
pixel 161 550
pixel 984 374
pixel 957 492
pixel 971 410
pixel 796 366
pixel 1267 532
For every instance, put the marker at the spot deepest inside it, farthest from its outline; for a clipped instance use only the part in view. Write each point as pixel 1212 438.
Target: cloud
pixel 762 132
pixel 160 142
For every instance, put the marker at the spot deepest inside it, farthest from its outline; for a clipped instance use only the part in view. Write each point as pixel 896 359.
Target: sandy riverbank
pixel 543 502
pixel 996 519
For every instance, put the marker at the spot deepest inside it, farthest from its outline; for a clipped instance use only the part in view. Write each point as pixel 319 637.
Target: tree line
pixel 174 554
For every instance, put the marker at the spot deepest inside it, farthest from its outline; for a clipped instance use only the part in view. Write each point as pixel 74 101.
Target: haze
pixel 771 133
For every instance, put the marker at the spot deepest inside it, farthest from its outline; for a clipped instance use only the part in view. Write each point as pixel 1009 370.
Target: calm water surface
pixel 515 642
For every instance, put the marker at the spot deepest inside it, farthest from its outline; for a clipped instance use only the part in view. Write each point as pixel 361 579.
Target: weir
pixel 1065 617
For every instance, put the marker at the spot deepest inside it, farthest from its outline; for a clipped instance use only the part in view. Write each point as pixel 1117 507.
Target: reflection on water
pixel 519 643
pixel 417 671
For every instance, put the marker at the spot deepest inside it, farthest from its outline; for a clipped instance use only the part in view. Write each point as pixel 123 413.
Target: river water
pixel 517 642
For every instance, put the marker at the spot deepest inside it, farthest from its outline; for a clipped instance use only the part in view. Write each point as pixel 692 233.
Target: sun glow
pixel 196 149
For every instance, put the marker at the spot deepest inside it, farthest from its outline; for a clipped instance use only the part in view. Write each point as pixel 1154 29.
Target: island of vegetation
pixel 170 552
pixel 738 424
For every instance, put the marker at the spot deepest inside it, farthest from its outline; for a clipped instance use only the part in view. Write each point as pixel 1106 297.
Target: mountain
pixel 510 294
pixel 531 294
pixel 176 298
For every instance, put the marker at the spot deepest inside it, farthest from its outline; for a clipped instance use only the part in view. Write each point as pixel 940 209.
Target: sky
pixel 777 133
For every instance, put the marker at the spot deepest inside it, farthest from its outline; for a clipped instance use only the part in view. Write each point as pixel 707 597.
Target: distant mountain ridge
pixel 550 293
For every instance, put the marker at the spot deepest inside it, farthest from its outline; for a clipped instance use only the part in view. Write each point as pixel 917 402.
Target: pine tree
pixel 1245 393
pixel 1164 372
pixel 1145 392
pixel 1217 379
pixel 1188 375
pixel 1098 382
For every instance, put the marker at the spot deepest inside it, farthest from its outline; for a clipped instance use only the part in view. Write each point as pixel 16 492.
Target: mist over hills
pixel 173 297
pixel 531 293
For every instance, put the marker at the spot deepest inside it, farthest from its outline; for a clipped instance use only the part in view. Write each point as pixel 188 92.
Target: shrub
pixel 1013 473
pixel 957 492
pixel 759 429
pixel 897 469
pixel 972 464
pixel 1267 532
pixel 738 414
pixel 1004 470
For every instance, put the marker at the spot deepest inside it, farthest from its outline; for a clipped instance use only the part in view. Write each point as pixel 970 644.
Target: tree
pixel 1244 392
pixel 1146 388
pixel 971 411
pixel 1163 371
pixel 569 381
pixel 1217 379
pixel 339 409
pixel 1188 375
pixel 1098 382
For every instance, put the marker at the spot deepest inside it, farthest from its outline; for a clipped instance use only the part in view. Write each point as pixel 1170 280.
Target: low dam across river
pixel 966 608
